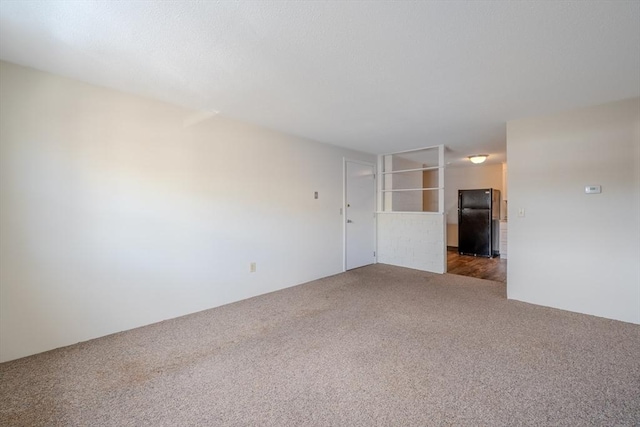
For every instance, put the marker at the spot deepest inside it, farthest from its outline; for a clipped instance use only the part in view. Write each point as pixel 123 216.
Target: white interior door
pixel 360 206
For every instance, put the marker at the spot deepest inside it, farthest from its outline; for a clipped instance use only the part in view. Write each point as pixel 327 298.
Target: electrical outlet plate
pixel 252 267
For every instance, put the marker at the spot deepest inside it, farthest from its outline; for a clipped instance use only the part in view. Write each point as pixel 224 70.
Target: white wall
pixel 114 215
pixel 466 178
pixel 573 250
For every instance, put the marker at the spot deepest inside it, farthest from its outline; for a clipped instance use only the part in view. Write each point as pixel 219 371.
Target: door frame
pixel 344 209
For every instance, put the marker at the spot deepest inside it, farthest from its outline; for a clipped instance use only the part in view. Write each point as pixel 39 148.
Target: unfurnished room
pixel 319 213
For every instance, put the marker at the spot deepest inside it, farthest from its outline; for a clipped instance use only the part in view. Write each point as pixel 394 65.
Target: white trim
pixel 412 150
pixel 441 183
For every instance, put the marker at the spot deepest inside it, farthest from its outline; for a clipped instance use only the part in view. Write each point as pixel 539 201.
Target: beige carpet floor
pixel 377 346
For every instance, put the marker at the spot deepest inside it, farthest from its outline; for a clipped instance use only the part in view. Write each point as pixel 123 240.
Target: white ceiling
pixel 377 76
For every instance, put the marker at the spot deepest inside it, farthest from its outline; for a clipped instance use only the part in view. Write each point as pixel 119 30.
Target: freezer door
pixel 474 199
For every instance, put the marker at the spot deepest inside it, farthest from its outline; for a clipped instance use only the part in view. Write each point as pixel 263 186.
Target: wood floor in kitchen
pixel 480 267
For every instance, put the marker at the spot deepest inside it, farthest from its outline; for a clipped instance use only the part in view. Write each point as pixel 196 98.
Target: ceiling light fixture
pixel 478 158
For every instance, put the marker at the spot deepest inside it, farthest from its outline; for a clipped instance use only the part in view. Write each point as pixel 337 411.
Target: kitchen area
pixel 477 233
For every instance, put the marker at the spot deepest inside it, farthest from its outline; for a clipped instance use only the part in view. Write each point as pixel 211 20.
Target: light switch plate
pixel 593 189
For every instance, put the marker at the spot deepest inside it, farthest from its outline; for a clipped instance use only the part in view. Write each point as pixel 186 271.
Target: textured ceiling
pixel 373 76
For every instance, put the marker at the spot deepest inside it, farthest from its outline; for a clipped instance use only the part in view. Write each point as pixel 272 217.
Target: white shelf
pixel 430 168
pixel 413 189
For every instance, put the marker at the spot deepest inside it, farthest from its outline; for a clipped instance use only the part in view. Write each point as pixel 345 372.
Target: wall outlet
pixel 521 212
pixel 252 267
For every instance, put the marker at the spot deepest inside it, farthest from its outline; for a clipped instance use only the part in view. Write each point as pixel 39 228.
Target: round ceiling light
pixel 478 158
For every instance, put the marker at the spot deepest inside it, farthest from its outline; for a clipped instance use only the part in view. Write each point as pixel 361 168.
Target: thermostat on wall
pixel 593 189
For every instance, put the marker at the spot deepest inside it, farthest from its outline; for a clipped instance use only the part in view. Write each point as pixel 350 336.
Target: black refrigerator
pixel 479 222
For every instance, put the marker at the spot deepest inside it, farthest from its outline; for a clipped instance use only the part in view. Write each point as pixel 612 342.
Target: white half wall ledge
pixel 412 240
